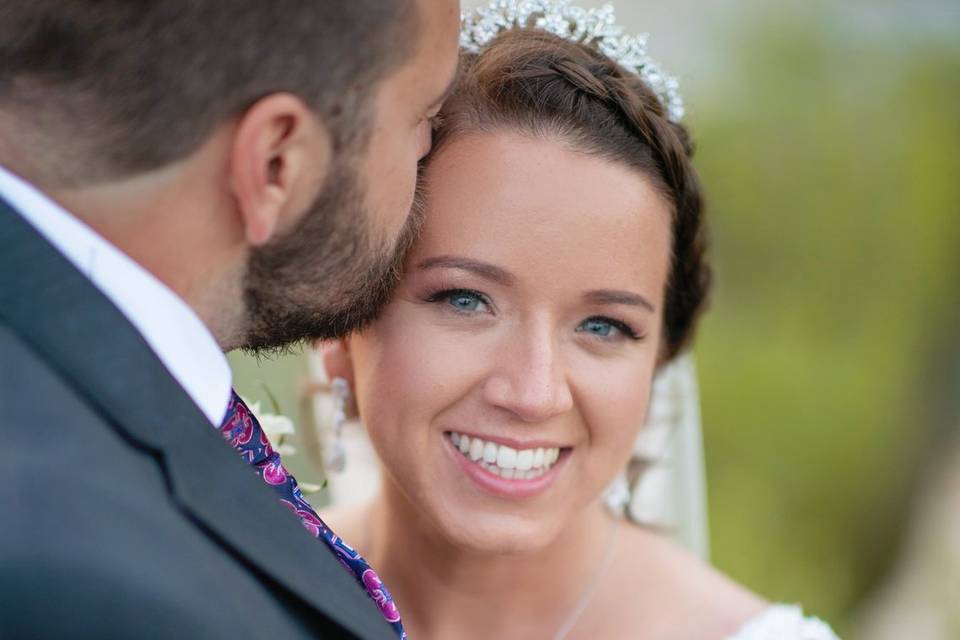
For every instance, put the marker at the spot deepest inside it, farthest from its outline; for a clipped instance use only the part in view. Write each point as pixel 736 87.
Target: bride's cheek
pixel 618 413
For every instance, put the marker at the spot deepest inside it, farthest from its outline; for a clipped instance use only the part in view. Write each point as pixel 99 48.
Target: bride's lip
pixel 510 488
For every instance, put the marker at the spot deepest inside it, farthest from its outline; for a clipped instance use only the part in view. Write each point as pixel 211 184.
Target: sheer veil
pixel 663 485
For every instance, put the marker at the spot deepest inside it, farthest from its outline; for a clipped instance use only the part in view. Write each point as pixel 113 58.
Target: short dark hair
pixel 104 89
pixel 537 83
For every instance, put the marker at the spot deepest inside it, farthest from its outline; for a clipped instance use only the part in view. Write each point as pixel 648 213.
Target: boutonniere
pixel 278 427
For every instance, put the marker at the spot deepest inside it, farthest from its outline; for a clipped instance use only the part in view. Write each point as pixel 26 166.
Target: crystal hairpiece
pixel 594 27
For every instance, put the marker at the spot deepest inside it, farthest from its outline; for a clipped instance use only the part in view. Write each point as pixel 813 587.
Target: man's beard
pixel 328 276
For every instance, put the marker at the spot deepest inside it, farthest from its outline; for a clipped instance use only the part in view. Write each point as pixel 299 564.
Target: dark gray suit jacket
pixel 123 513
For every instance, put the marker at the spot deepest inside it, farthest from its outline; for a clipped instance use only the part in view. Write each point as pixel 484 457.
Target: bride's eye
pixel 607 328
pixel 462 300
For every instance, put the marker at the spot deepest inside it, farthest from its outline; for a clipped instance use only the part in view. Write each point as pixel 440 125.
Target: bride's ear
pixel 337 361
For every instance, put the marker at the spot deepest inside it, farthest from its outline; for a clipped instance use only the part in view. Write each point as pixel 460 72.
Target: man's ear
pixel 279 160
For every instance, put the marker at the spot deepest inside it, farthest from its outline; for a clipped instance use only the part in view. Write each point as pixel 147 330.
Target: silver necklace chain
pixel 588 591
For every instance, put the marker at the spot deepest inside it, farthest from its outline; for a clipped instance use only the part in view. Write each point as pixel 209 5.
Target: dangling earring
pixel 335 458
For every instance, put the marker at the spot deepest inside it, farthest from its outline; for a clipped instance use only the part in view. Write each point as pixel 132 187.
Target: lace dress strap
pixel 784 622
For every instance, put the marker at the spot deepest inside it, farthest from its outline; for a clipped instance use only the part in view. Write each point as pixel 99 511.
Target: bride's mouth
pixel 504 470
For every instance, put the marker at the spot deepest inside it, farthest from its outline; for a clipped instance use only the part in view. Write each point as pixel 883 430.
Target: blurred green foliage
pixel 831 167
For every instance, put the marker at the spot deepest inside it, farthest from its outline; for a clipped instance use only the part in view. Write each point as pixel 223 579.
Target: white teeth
pixel 512 474
pixel 476 449
pixel 505 461
pixel 525 460
pixel 506 457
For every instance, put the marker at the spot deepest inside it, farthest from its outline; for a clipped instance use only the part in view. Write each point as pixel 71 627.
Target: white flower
pixel 306 487
pixel 253 406
pixel 285 449
pixel 275 426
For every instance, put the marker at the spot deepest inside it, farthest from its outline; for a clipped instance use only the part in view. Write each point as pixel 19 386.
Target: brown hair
pixel 102 89
pixel 537 83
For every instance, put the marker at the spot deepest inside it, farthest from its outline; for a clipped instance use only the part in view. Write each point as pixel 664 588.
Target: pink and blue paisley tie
pixel 241 429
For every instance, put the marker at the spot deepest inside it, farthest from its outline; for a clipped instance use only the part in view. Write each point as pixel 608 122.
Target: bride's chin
pixel 499 535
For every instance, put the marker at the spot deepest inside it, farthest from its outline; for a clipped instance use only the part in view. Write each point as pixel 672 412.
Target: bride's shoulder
pixel 680 589
pixel 687 591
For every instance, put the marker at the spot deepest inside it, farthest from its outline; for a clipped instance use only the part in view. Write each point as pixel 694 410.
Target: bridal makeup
pixel 504 384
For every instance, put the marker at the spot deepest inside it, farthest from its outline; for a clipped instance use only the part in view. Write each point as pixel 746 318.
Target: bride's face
pixel 505 383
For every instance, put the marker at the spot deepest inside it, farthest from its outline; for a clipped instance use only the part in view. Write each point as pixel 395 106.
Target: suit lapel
pixel 70 323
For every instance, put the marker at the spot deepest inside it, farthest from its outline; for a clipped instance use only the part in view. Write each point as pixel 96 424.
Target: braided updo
pixel 536 83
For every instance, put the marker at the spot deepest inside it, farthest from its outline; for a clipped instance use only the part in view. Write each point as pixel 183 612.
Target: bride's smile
pixel 508 470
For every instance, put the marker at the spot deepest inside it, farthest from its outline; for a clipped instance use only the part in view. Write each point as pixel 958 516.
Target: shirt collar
pixel 174 332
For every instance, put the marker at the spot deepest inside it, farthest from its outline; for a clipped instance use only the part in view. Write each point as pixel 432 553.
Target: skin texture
pixel 531 358
pixel 194 224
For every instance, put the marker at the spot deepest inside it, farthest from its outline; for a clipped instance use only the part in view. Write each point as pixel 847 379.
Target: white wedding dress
pixel 670 492
pixel 784 622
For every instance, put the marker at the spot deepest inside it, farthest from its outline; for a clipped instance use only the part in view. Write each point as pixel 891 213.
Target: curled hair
pixel 537 83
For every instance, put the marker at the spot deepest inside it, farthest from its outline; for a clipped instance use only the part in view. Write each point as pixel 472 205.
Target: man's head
pixel 286 133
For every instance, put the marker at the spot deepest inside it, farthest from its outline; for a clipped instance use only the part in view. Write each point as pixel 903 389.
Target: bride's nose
pixel 529 378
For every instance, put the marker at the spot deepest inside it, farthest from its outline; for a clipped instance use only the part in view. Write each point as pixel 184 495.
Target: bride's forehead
pixel 589 228
pixel 507 188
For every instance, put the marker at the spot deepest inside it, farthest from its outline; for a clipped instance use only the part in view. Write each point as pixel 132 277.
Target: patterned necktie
pixel 241 429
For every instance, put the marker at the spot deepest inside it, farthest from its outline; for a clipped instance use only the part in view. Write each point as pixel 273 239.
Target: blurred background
pixel 829 145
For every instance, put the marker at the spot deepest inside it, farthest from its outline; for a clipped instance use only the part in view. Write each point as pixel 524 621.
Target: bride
pixel 560 265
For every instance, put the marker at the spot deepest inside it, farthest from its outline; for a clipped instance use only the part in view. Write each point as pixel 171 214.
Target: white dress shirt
pixel 171 328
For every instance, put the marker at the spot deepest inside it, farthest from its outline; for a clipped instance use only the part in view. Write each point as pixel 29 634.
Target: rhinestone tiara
pixel 593 27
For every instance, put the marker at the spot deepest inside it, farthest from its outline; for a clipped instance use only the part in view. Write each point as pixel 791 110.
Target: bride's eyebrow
pixel 608 296
pixel 482 269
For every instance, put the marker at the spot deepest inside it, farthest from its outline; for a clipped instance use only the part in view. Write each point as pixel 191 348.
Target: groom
pixel 179 178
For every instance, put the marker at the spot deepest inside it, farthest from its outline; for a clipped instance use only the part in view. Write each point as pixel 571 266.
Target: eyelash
pixel 625 329
pixel 444 295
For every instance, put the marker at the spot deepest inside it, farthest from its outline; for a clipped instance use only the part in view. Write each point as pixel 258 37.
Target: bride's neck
pixel 442 589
